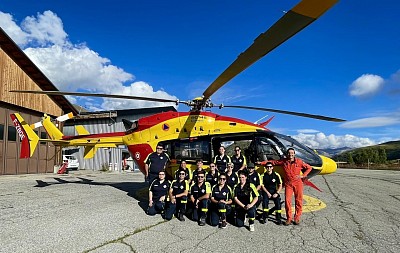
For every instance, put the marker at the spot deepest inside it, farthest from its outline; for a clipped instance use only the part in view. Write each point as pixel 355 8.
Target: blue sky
pixel 345 65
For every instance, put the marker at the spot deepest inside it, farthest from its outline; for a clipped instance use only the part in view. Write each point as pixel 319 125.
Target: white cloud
pixel 366 85
pixel 12 29
pixel 136 89
pixel 46 29
pixel 372 122
pixel 320 140
pixel 73 67
pixel 308 131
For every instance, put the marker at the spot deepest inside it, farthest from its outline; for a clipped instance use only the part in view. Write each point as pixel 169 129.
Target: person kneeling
pixel 199 198
pixel 178 197
pixel 221 199
pixel 245 197
pixel 157 194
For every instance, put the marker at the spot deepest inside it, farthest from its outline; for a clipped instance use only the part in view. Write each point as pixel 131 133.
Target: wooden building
pixel 17 72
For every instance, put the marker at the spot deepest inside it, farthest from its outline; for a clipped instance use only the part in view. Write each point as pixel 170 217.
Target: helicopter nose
pixel 328 165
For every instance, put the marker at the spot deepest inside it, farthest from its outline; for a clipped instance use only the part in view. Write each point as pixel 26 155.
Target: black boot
pixel 263 217
pixel 180 217
pixel 278 218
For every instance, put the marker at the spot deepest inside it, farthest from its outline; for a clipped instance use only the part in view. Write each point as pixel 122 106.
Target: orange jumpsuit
pixel 293 184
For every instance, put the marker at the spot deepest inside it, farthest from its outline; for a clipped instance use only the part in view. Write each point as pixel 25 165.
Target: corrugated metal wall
pixel 105 157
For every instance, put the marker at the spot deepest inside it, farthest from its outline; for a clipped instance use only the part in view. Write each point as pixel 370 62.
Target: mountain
pixel 388 151
pixel 330 152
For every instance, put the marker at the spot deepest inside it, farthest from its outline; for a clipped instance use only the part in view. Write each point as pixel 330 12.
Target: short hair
pixel 201 172
pixel 199 160
pixel 268 163
pixel 230 164
pixel 287 151
pixel 243 172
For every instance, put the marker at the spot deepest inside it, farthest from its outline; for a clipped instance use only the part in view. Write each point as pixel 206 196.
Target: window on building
pixel 1 132
pixel 12 133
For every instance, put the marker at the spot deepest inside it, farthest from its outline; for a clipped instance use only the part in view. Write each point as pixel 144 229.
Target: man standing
pixel 238 160
pixel 271 187
pixel 292 167
pixel 155 162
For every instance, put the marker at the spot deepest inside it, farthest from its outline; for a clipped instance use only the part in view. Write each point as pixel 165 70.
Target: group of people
pixel 230 190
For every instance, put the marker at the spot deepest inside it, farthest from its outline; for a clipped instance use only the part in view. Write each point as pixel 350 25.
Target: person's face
pixel 200 178
pixel 251 170
pixel 199 164
pixel 230 168
pixel 183 164
pixel 291 154
pixel 242 179
pixel 212 167
pixel 222 150
pixel 237 151
pixel 221 180
pixel 182 175
pixel 159 150
pixel 161 175
pixel 269 168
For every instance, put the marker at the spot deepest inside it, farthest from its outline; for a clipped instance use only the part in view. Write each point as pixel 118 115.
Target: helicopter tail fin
pixel 29 139
pixel 263 124
pixel 81 130
pixel 51 129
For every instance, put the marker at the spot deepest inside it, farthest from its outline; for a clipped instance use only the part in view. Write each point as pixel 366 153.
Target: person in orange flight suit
pixel 293 183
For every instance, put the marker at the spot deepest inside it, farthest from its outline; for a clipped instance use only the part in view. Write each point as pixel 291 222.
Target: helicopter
pixel 198 133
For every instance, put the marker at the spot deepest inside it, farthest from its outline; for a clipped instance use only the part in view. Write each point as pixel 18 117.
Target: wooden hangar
pixel 18 72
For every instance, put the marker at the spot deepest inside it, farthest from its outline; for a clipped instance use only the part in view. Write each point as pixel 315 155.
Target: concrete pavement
pixel 103 212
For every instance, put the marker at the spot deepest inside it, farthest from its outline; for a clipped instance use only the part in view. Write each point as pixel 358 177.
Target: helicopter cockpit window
pixel 190 150
pixel 266 149
pixel 303 152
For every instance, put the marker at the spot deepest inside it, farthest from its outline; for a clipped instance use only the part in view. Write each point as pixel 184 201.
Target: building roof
pixel 23 61
pixel 125 112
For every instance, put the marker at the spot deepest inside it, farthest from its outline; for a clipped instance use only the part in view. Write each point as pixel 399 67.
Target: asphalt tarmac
pixel 104 212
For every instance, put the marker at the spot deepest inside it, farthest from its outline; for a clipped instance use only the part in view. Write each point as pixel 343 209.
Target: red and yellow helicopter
pixel 198 133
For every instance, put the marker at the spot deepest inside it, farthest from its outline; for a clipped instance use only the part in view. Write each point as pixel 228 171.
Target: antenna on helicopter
pixel 256 122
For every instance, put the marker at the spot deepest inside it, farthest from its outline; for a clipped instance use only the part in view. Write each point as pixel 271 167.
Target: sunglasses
pixel 222 178
pixel 237 149
pixel 212 166
pixel 182 173
pixel 269 166
pixel 200 176
pixel 159 148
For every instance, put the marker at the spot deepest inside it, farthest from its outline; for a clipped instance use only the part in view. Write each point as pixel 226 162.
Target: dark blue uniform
pixel 255 179
pixel 157 163
pixel 198 191
pixel 180 206
pixel 220 210
pixel 222 162
pixel 271 183
pixel 232 180
pixel 238 162
pixel 158 189
pixel 245 195
pixel 212 178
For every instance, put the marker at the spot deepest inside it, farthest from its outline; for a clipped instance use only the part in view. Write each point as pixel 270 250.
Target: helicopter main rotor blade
pixel 96 95
pixel 300 16
pixel 306 115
